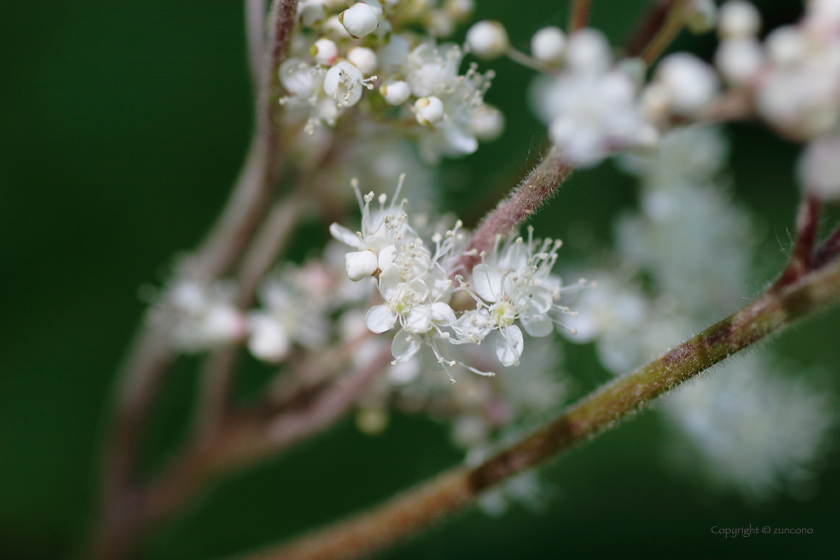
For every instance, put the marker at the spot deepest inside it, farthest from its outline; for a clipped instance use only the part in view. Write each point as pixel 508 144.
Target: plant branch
pixel 249 437
pixel 656 30
pixel 536 189
pixel 579 14
pixel 255 33
pixel 151 354
pixel 375 530
pixel 802 255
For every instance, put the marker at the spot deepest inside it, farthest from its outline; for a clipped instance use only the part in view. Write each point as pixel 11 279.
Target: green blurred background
pixel 122 126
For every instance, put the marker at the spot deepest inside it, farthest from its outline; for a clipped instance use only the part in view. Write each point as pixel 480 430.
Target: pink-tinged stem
pixel 537 188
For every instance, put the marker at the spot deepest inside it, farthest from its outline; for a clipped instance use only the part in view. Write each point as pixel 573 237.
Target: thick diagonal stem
pixel 417 509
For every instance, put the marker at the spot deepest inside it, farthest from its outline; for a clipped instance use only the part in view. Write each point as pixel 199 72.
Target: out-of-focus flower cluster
pixel 755 427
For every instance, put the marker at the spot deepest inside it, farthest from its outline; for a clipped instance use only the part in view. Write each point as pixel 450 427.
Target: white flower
pixel 359 20
pixel 754 429
pixel 514 283
pixel 549 45
pixel 206 315
pixel 344 83
pixel 591 115
pixel 487 39
pixel 376 242
pixel 293 304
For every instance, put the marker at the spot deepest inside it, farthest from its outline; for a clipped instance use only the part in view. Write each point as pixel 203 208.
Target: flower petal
pixel 380 319
pixel 387 256
pixel 346 236
pixel 442 314
pixel 419 319
pixel 389 282
pixel 538 325
pixel 541 299
pixel 360 264
pixel 487 282
pixel 509 346
pixel 405 345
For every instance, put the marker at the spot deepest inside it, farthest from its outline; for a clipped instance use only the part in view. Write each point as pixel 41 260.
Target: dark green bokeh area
pixel 122 127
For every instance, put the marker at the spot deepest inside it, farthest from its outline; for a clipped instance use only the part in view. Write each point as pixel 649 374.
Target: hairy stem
pixel 370 532
pixel 536 189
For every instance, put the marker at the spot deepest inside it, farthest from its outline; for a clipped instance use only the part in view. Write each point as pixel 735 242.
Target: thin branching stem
pixel 151 354
pixel 656 30
pixel 251 436
pixel 417 509
pixel 579 14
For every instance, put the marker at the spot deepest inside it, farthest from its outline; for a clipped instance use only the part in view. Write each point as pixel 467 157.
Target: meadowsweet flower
pixel 514 283
pixel 293 305
pixel 206 315
pixel 753 429
pixel 592 107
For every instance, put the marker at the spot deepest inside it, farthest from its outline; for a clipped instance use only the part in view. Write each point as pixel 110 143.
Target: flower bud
pixel 459 10
pixel 364 59
pixel 310 13
pixel 395 92
pixel 548 45
pixel 785 45
pixel 324 52
pixel 689 82
pixel 333 28
pixel 360 264
pixel 738 19
pixel 588 51
pixel 487 123
pixel 359 20
pixel 488 39
pixel 428 110
pixel 739 60
pixel 700 16
pixel 819 168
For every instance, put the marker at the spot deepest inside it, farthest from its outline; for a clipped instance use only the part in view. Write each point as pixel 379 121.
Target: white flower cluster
pixel 513 283
pixel 591 105
pixel 757 429
pixel 336 57
pixel 295 304
pixel 793 78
